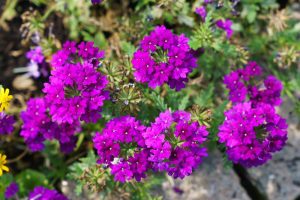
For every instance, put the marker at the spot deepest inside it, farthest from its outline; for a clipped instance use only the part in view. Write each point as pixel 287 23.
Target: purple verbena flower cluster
pixel 252 130
pixel 42 193
pixel 164 57
pixel 251 134
pixel 39 127
pixel 175 143
pixel 76 90
pixel 6 124
pixel 122 147
pixel 172 144
pixel 239 83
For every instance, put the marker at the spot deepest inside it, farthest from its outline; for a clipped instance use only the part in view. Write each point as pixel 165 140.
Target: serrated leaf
pixel 128 48
pixel 76 169
pixel 184 103
pixel 202 35
pixel 217 118
pixel 158 101
pixel 205 97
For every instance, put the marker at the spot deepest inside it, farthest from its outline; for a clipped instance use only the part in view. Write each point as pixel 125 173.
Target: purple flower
pixel 11 190
pixel 252 69
pixel 41 193
pixel 35 55
pixel 251 134
pixel 242 87
pixel 70 47
pixel 226 26
pixel 187 160
pixel 172 144
pixel 164 120
pixel 139 164
pixel 175 143
pixel 161 152
pixel 96 1
pixel 123 134
pixel 163 57
pixel 67 146
pixel 181 116
pixel 76 90
pixel 6 124
pixel 272 92
pixel 122 172
pixel 38 127
pixel 87 49
pixel 33 69
pixel 232 80
pixel 238 94
pixel 201 11
pixel 208 1
pixel 59 58
pixel 36 66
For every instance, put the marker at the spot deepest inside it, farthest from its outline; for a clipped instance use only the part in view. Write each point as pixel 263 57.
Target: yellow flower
pixel 2 164
pixel 4 99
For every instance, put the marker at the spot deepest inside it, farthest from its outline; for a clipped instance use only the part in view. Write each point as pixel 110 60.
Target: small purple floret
pixel 6 124
pixel 11 190
pixel 226 26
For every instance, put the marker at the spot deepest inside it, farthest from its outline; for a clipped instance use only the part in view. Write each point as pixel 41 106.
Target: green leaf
pixel 100 40
pixel 5 180
pixel 39 2
pixel 184 103
pixel 202 35
pixel 187 20
pixel 250 12
pixel 28 179
pixel 9 12
pixel 159 102
pixel 76 169
pixel 217 118
pixel 55 160
pixel 204 99
pixel 142 3
pixel 128 48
